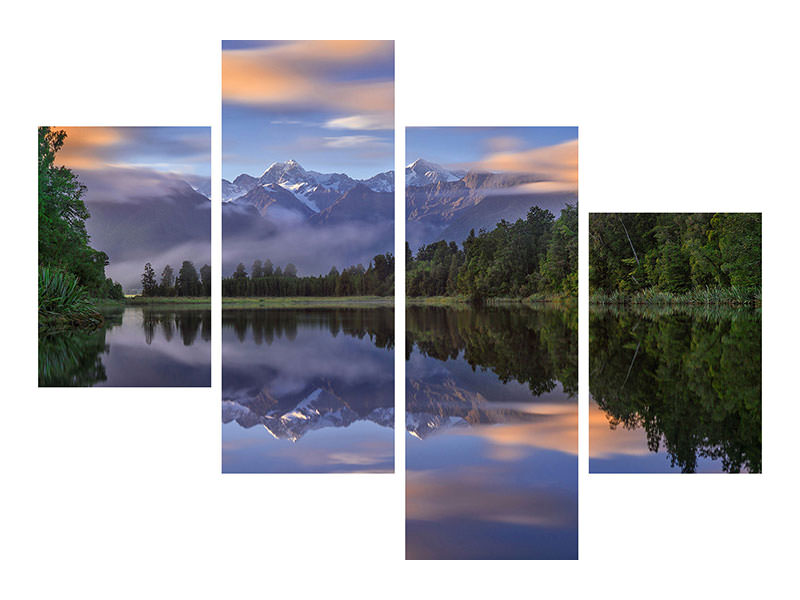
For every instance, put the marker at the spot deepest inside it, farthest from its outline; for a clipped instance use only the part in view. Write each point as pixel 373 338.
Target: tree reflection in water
pixel 691 379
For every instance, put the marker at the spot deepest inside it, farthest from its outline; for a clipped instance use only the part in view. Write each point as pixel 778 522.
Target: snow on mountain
pixel 315 190
pixel 422 172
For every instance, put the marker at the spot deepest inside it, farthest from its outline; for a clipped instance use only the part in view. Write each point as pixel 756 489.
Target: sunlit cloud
pixel 362 122
pixel 556 164
pixel 352 141
pixel 306 73
pixel 168 149
pixel 504 143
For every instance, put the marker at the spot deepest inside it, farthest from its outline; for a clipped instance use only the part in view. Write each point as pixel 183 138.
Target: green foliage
pixel 690 378
pixel 149 285
pixel 675 256
pixel 63 240
pixel 376 280
pixel 70 271
pixel 188 283
pixel 63 302
pixel 537 255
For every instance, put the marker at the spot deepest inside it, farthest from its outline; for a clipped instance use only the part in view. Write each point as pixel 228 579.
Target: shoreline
pixel 233 302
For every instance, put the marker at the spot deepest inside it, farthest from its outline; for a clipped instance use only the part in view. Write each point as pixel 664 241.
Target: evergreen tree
pixel 205 278
pixel 149 285
pixel 188 281
pixel 241 272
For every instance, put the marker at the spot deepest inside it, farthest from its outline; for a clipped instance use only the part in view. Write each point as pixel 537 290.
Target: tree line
pixel 188 282
pixel 674 253
pixel 267 280
pixel 64 244
pixel 534 256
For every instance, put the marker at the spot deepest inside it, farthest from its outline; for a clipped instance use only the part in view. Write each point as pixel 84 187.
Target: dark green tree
pixel 149 285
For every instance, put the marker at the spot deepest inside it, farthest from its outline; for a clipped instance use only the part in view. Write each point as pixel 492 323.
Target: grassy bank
pixel 732 296
pixel 309 302
pixel 64 304
pixel 168 300
pixel 465 300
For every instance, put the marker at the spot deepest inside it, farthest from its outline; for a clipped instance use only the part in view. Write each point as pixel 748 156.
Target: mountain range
pixel 293 416
pixel 167 225
pixel 446 204
pixel 289 186
pixel 314 220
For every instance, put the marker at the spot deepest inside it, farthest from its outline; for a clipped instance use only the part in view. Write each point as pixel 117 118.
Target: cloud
pixel 127 184
pixel 351 141
pixel 177 149
pixel 504 143
pixel 556 166
pixel 372 122
pixel 314 250
pixel 311 74
pixel 128 271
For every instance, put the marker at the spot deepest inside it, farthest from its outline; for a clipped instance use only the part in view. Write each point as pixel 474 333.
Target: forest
pixel 71 272
pixel 697 258
pixel 267 280
pixel 535 257
pixel 187 283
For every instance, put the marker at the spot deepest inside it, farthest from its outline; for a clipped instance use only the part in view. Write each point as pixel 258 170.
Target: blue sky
pixel 327 104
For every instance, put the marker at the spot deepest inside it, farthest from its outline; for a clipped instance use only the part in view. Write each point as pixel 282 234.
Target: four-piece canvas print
pixel 307 281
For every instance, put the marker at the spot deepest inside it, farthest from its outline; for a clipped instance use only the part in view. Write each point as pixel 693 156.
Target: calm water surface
pixel 675 390
pixel 307 390
pixel 491 419
pixel 136 347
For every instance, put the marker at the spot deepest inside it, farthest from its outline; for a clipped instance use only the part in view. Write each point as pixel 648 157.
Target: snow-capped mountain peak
pixel 423 172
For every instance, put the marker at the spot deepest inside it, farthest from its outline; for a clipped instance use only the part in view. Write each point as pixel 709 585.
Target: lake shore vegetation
pixel 535 258
pixel 675 258
pixel 71 272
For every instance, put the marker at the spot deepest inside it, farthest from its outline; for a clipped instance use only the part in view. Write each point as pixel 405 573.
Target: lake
pixel 135 347
pixel 308 390
pixel 675 390
pixel 492 429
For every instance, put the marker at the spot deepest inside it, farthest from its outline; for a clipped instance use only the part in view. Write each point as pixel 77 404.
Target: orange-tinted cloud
pixel 84 146
pixel 556 166
pixel 302 74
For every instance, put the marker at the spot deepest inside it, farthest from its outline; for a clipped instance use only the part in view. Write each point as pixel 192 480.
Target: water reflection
pixel 133 348
pixel 675 390
pixel 492 433
pixel 308 390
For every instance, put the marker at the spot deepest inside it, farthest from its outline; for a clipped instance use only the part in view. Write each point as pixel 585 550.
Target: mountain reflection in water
pixel 491 418
pixel 308 390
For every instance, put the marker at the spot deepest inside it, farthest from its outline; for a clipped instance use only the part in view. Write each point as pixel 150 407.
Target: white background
pixel 117 493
